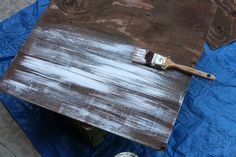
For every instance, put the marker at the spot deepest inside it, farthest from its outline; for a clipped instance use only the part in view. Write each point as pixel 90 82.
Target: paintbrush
pixel 156 60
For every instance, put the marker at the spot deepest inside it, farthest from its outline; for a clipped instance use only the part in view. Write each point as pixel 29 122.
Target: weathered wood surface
pixel 77 63
pixel 223 29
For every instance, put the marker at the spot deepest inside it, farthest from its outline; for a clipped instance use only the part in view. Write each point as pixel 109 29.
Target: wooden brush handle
pixel 189 70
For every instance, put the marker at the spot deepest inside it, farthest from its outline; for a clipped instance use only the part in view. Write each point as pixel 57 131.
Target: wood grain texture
pixel 223 29
pixel 77 62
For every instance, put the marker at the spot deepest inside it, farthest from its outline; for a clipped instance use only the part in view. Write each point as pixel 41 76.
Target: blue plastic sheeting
pixel 206 125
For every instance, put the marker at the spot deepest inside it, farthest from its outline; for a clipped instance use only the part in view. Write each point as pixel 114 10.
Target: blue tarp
pixel 206 125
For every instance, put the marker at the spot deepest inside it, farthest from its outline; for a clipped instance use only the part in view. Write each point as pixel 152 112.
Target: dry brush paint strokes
pixel 99 74
pixel 87 74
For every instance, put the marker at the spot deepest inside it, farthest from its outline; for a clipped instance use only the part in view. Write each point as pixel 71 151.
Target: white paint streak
pixel 78 41
pixel 131 77
pixel 65 74
pixel 133 4
pixel 110 71
pixel 18 87
pixel 53 6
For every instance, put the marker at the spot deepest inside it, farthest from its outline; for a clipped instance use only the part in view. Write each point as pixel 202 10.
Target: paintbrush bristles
pixel 149 58
pixel 139 56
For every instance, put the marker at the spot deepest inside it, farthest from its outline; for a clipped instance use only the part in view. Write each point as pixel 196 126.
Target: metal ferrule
pixel 158 60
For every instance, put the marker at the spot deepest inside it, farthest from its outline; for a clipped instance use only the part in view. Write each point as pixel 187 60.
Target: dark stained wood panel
pixel 149 24
pixel 77 62
pixel 223 29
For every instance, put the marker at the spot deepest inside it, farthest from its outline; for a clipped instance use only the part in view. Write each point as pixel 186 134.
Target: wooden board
pixel 223 29
pixel 77 63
